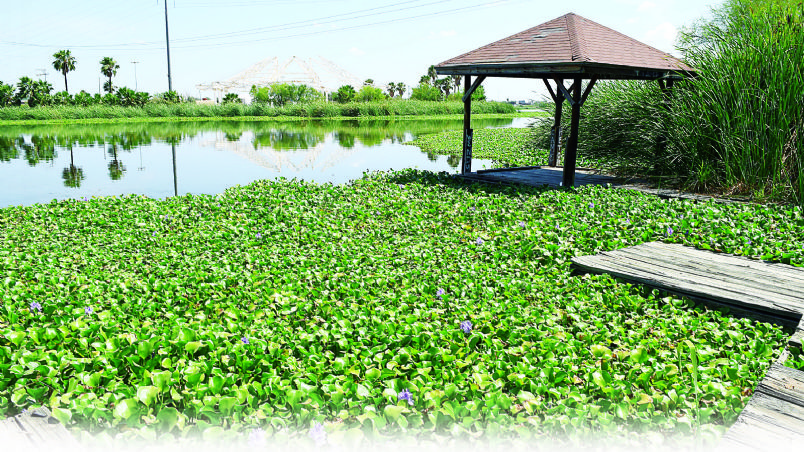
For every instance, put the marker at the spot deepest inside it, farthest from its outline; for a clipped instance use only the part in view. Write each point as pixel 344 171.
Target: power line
pixel 354 27
pixel 290 25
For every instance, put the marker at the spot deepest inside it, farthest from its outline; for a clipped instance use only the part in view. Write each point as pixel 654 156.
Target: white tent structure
pixel 319 73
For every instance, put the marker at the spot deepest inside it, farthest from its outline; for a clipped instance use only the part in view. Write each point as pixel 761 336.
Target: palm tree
pixel 445 85
pixel 431 73
pixel 109 68
pixel 456 80
pixel 391 87
pixel 25 89
pixel 64 62
pixel 400 89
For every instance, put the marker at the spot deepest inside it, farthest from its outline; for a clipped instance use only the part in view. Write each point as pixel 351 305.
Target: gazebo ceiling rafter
pixel 569 47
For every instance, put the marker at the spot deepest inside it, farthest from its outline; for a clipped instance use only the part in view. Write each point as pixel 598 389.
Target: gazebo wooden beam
pixel 555 132
pixel 468 89
pixel 576 101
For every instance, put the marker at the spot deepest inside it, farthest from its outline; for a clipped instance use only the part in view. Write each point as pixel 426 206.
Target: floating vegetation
pixel 405 303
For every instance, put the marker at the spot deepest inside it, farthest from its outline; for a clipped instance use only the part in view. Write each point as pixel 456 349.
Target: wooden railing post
pixel 466 162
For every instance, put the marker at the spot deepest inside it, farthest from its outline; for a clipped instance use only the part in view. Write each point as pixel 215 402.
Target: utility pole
pixel 135 74
pixel 167 40
pixel 42 72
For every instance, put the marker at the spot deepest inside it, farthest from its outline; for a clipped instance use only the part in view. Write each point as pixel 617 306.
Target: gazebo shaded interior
pixel 571 48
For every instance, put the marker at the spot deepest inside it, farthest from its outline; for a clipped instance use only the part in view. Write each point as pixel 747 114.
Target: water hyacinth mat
pixel 402 305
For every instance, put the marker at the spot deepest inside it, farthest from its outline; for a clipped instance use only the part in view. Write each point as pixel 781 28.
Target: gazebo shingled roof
pixel 568 47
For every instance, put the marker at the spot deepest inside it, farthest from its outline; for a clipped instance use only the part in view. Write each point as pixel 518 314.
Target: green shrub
pixel 370 94
pixel 345 94
pixel 426 92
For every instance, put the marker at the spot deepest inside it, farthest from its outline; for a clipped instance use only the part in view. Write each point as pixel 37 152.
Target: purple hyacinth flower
pixel 466 326
pixel 479 241
pixel 259 236
pixel 522 224
pixel 318 434
pixel 88 310
pixel 405 395
pixel 244 339
pixel 669 230
pixel 591 205
pixel 35 306
pixel 440 292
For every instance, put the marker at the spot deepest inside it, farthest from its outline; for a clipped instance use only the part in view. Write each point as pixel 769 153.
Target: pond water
pixel 45 162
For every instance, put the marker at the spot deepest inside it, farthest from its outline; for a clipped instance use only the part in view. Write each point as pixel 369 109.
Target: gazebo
pixel 569 47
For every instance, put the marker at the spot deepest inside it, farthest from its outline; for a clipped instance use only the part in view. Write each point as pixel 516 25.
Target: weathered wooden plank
pixel 12 436
pixel 784 383
pixel 38 430
pixel 787 271
pixel 774 417
pixel 746 267
pixel 678 284
pixel 749 434
pixel 717 275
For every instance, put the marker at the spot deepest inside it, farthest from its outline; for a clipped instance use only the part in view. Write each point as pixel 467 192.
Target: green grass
pixel 200 111
pixel 284 304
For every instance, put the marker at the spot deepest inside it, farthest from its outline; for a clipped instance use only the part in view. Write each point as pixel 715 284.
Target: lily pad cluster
pixel 403 303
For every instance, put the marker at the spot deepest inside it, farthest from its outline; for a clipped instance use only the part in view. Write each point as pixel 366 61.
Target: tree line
pixel 430 88
pixel 41 93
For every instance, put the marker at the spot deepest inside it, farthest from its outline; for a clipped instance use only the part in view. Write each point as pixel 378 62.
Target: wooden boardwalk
pixel 36 430
pixel 551 176
pixel 774 417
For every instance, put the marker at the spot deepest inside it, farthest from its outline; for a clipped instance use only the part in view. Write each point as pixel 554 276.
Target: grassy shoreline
pixel 24 122
pixel 309 110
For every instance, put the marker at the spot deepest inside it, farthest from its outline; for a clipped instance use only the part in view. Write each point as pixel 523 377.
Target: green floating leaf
pixel 62 414
pixel 147 394
pixel 125 408
pixel 600 351
pixel 168 418
pixel 392 412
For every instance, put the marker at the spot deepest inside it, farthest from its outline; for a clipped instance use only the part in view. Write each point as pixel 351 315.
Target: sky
pixel 213 40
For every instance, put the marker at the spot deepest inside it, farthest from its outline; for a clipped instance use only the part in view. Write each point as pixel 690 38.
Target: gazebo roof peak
pixel 570 45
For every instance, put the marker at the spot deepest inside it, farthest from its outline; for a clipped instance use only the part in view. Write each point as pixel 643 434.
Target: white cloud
pixel 356 51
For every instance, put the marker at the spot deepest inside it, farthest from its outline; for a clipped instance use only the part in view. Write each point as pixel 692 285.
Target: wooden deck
pixel 551 176
pixel 36 430
pixel 774 417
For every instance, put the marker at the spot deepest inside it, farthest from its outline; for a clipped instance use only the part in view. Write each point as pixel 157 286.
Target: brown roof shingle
pixel 569 41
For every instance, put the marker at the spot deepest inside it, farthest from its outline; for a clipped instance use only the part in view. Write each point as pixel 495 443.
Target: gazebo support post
pixel 570 155
pixel 468 89
pixel 466 161
pixel 555 133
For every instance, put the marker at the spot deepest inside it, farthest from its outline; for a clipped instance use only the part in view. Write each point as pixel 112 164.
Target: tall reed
pixel 738 127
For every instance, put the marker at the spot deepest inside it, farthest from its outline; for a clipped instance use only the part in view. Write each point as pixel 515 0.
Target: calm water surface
pixel 42 163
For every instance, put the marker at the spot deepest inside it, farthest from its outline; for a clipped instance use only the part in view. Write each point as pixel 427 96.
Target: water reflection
pixel 72 175
pixel 223 153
